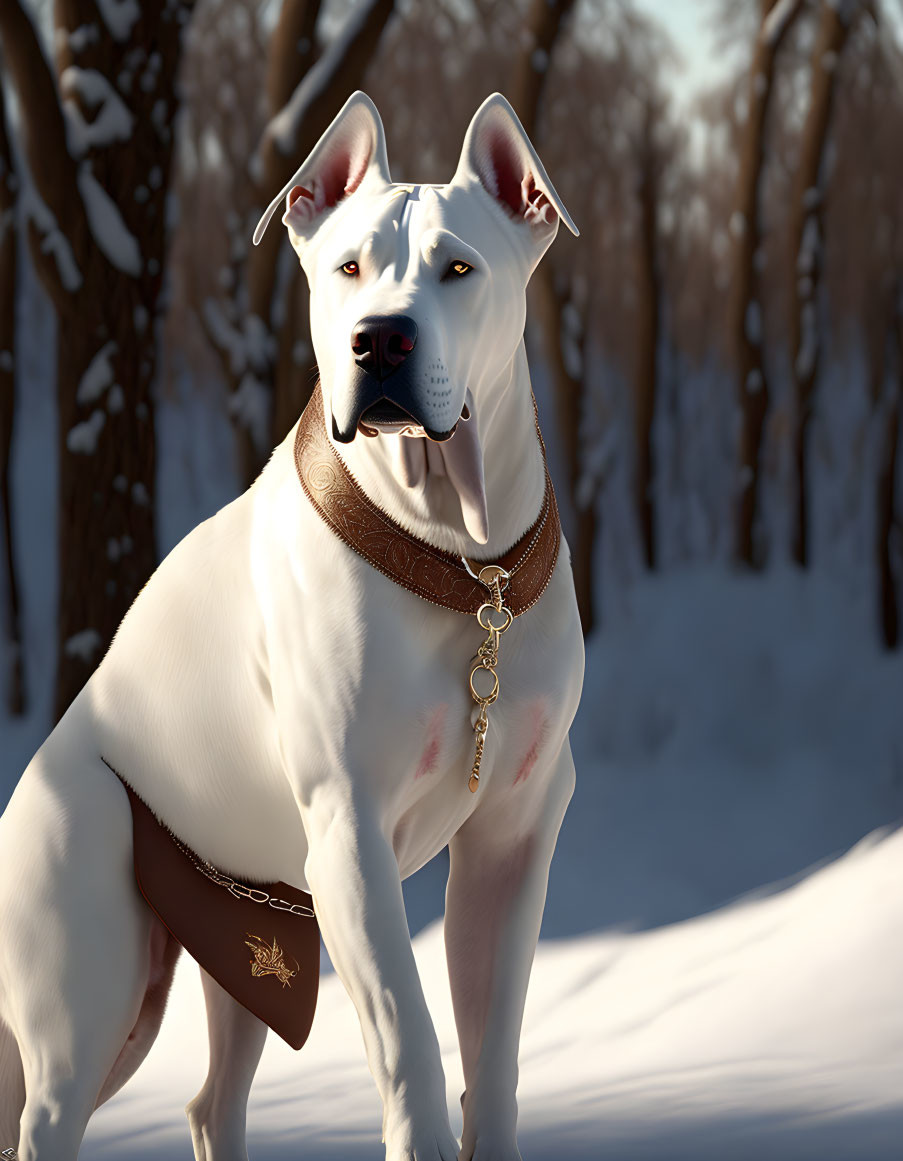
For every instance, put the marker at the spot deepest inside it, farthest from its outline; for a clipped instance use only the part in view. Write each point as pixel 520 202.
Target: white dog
pixel 294 714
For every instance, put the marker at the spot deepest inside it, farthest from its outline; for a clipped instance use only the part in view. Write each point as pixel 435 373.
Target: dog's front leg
pixel 353 876
pixel 494 902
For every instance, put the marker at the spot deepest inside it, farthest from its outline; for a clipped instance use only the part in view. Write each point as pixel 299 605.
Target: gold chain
pixel 494 617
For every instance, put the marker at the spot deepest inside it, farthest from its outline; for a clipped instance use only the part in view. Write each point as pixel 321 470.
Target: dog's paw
pixel 425 1149
pixel 407 1143
pixel 489 1148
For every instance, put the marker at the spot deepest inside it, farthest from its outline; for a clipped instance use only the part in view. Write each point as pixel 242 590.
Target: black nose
pixel 382 342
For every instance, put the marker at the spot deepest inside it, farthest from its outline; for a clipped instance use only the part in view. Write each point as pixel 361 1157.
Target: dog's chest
pixel 405 725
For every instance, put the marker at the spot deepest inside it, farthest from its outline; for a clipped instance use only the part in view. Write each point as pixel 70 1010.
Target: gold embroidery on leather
pixel 270 961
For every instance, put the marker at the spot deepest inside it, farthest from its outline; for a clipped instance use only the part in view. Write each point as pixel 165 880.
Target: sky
pixel 689 23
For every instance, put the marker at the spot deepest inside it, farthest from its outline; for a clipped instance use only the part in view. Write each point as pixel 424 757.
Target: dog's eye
pixel 351 269
pixel 458 269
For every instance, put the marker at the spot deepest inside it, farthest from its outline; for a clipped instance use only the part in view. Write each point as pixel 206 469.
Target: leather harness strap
pixel 424 569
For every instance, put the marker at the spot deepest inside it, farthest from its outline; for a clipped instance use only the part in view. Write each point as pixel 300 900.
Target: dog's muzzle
pixel 383 391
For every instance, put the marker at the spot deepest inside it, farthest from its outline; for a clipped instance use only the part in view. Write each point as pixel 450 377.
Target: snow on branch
pixel 82 438
pixel 112 235
pixel 112 121
pixel 225 337
pixel 52 239
pixel 56 210
pixel 98 376
pixel 778 20
pixel 83 645
pixel 341 65
pixel 249 406
pixel 120 16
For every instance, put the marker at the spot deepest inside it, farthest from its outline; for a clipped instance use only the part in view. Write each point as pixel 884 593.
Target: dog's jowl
pixel 373 653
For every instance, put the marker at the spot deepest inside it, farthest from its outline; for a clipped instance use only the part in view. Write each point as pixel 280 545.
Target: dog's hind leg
pixel 217 1115
pixel 12 1089
pixel 74 958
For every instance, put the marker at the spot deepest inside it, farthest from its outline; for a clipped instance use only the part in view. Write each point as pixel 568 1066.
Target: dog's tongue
pixel 460 458
pixel 463 459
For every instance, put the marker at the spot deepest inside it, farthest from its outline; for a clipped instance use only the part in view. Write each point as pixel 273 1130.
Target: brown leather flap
pixel 267 959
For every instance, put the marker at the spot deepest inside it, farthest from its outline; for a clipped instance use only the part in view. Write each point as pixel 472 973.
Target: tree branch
pixel 46 146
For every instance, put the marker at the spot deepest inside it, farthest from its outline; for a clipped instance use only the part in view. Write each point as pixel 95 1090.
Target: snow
pixel 737 224
pixel 751 1033
pixel 109 230
pixel 98 377
pixel 284 128
pixel 753 323
pixel 120 16
pixel 84 645
pixel 808 348
pixel 226 337
pixel 112 121
pixel 539 60
pixel 775 23
pixel 249 405
pixel 53 240
pixel 84 35
pixel 82 438
pixel 806 258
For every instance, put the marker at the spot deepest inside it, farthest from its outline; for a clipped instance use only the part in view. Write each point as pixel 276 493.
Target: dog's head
pixel 418 292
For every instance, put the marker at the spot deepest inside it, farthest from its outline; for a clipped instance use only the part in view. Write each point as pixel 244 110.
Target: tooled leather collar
pixel 430 572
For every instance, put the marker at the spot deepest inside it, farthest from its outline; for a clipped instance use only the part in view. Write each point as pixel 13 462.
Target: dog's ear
pixel 498 153
pixel 351 153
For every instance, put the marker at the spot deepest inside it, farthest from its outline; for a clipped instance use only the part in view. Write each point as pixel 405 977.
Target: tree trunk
pixel 102 174
pixel 543 27
pixel 9 186
pixel 745 319
pixel 569 398
pixel 531 67
pixel 305 93
pixel 806 250
pixel 887 525
pixel 649 293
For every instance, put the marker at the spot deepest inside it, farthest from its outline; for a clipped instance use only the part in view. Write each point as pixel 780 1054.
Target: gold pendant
pixel 494 618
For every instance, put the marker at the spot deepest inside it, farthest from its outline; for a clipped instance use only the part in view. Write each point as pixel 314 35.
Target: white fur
pixel 293 714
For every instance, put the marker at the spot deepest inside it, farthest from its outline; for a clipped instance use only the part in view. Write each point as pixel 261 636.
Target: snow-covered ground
pixel 771 1029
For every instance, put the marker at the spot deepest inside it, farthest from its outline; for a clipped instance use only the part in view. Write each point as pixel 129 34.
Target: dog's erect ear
pixel 499 154
pixel 351 152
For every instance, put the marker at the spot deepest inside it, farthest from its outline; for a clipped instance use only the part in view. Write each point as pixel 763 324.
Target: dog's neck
pixel 512 466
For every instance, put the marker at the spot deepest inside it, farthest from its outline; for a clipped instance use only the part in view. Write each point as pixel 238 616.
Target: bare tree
pixel 9 191
pixel 835 22
pixel 886 389
pixel 543 28
pixel 98 136
pixel 648 335
pixel 257 326
pixel 745 322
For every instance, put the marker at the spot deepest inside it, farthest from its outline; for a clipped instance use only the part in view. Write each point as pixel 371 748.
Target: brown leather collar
pixel 430 572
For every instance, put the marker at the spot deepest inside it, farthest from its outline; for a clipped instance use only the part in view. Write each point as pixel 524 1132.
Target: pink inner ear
pixel 298 191
pixel 342 174
pixel 508 171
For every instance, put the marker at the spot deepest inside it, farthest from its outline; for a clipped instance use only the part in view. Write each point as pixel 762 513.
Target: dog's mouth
pixel 389 418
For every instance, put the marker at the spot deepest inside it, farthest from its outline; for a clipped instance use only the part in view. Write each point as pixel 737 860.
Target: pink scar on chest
pixel 429 759
pixel 539 728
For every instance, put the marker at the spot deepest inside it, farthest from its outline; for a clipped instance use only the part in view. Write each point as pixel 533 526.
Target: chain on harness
pixel 494 617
